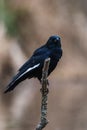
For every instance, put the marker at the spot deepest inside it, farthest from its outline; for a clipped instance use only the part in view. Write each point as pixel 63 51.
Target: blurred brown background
pixel 24 26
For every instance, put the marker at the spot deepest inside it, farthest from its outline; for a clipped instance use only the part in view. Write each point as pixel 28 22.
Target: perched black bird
pixel 33 67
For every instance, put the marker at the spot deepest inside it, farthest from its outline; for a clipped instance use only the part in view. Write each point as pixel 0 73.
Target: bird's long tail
pixel 22 75
pixel 14 82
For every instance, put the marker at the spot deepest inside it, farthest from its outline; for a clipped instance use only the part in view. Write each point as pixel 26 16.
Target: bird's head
pixel 54 41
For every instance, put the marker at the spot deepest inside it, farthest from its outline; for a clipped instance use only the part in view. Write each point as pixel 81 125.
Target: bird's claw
pixel 47 82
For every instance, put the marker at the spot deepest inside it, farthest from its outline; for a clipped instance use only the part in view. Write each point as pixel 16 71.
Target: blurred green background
pixel 24 26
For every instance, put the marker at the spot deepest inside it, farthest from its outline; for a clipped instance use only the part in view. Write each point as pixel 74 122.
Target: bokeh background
pixel 24 26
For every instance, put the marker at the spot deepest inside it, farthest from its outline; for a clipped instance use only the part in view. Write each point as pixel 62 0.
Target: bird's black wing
pixel 30 69
pixel 33 60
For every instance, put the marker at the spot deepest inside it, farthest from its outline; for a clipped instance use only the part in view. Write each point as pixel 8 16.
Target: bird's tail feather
pixel 15 81
pixel 20 77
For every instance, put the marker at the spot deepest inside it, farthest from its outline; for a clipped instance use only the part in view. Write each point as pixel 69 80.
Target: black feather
pixel 33 67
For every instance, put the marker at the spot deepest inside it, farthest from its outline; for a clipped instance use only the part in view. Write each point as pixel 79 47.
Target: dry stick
pixel 44 91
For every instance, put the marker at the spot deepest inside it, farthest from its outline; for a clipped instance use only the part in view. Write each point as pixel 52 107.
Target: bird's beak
pixel 57 39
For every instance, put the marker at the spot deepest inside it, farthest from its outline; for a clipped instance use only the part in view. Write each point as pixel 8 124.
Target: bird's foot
pixel 47 82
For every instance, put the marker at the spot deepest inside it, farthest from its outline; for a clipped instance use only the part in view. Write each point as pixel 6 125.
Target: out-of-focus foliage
pixel 9 17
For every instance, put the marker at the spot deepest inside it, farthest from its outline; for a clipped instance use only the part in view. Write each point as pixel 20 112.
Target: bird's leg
pixel 42 83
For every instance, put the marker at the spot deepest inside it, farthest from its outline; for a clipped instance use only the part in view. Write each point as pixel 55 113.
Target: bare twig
pixel 44 91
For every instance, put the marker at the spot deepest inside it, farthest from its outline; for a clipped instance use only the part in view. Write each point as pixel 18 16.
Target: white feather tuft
pixel 29 69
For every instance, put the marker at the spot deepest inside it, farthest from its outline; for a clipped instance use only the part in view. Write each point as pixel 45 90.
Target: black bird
pixel 33 67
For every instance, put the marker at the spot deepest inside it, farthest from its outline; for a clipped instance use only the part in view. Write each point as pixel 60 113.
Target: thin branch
pixel 44 92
